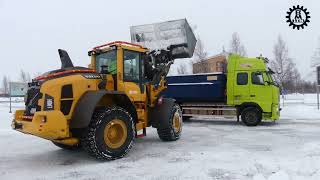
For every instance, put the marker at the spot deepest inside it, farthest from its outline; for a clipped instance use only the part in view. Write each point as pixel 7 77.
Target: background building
pixel 217 63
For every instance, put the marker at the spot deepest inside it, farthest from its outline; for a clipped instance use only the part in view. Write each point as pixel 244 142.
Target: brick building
pixel 217 63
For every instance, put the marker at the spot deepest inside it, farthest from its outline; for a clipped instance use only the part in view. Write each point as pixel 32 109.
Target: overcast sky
pixel 32 31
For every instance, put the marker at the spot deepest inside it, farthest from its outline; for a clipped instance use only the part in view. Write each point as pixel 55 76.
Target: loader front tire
pixel 110 134
pixel 173 131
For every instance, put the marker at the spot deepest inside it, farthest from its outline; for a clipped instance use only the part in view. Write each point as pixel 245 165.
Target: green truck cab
pixel 247 90
pixel 250 84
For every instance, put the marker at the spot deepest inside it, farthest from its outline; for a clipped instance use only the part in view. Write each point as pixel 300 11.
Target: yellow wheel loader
pixel 103 108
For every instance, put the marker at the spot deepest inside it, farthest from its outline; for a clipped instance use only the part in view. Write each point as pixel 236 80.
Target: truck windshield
pixel 272 79
pixel 108 59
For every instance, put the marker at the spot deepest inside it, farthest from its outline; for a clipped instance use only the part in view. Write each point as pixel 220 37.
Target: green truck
pixel 247 90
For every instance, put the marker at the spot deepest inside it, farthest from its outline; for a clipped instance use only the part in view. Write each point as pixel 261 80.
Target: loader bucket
pixel 175 35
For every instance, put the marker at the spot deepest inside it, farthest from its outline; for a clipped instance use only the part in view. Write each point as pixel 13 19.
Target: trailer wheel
pixel 67 147
pixel 173 131
pixel 251 116
pixel 110 134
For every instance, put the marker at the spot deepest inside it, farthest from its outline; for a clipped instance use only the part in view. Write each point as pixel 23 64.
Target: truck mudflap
pixel 160 114
pixel 51 125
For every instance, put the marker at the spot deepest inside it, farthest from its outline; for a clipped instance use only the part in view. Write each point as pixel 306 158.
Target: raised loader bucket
pixel 175 35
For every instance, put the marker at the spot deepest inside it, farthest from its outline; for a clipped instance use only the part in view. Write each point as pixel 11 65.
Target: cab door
pixel 133 76
pixel 261 91
pixel 241 91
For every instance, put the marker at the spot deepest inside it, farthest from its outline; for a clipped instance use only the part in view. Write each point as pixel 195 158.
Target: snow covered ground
pixel 208 149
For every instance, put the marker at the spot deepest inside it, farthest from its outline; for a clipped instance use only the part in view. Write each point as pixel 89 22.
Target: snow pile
pixel 299 106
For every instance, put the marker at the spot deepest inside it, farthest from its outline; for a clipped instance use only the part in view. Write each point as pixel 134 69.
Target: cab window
pixel 257 78
pixel 108 59
pixel 242 78
pixel 131 64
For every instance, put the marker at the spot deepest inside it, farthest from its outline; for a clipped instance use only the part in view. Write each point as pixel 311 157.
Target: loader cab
pixel 123 64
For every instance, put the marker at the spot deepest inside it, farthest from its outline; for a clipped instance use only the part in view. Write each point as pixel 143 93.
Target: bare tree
pixel 182 68
pixel 200 56
pixel 282 64
pixel 296 79
pixel 24 76
pixel 199 52
pixel 236 46
pixel 5 84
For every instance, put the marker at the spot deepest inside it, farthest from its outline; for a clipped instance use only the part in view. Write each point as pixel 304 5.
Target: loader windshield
pixel 108 59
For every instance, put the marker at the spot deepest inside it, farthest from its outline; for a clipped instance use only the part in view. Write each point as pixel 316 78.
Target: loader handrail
pixel 65 72
pixel 118 42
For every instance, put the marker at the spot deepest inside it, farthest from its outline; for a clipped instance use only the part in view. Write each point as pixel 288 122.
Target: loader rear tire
pixel 173 131
pixel 67 147
pixel 110 134
pixel 251 116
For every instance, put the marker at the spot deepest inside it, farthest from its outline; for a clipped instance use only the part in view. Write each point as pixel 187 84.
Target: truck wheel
pixel 110 134
pixel 67 147
pixel 172 132
pixel 251 116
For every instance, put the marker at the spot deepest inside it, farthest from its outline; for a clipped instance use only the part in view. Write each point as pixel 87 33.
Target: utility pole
pixel 318 84
pixel 10 96
pixel 318 96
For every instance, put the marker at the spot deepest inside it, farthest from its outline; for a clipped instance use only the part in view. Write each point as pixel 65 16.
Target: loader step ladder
pixel 143 134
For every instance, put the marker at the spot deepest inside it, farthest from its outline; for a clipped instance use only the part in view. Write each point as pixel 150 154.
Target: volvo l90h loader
pixel 103 108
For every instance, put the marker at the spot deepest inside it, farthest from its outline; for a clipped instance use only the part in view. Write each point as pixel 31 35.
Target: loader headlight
pixel 33 110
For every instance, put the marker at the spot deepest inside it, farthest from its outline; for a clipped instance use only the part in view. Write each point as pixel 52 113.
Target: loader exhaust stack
pixel 65 59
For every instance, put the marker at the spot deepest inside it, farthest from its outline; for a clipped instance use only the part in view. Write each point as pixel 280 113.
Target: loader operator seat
pixel 108 59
